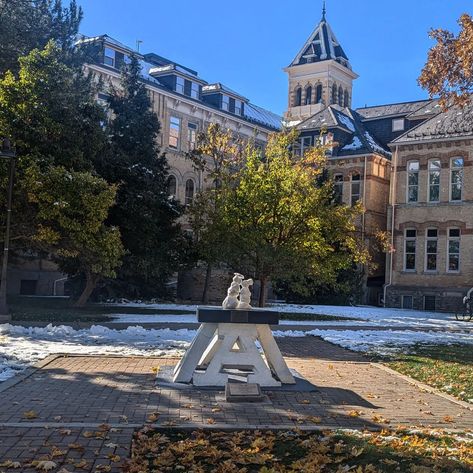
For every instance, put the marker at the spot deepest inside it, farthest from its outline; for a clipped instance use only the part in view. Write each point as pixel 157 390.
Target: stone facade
pixel 440 272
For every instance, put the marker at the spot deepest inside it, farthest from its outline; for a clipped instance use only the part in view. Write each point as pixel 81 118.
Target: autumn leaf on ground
pixel 64 470
pixel 102 467
pixel 46 465
pixel 65 431
pixel 448 419
pixel 114 458
pixel 314 419
pixel 82 464
pixel 210 421
pixel 111 445
pixel 30 415
pixel 304 401
pixel 355 413
pixel 56 452
pixel 76 446
pixel 153 417
pixel 104 427
pixel 10 464
pixel 87 434
pixel 216 409
pixel 356 452
pixel 380 419
pixel 155 369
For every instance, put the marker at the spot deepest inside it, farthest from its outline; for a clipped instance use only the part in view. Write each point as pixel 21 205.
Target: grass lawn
pixel 448 368
pixel 272 452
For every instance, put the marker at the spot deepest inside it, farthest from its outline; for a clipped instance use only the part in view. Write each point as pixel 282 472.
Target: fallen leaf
pixel 30 415
pixel 10 464
pixel 114 458
pixel 216 409
pixel 155 369
pixel 65 431
pixel 87 434
pixel 355 413
pixel 314 419
pixel 304 401
pixel 210 421
pixel 153 417
pixel 103 468
pixel 82 465
pixel 46 465
pixel 448 419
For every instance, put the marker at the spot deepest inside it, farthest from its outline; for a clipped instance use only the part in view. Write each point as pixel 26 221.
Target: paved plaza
pixel 81 412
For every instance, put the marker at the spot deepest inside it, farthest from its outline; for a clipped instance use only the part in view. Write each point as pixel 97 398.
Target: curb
pixel 424 387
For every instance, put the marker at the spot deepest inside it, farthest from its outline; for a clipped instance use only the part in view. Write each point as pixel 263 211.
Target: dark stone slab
pixel 228 316
pixel 243 392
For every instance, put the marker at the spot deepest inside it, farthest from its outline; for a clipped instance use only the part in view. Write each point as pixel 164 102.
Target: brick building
pixel 409 164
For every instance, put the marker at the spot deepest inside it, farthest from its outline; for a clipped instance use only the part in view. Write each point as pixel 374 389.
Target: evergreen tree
pixel 50 113
pixel 144 213
pixel 30 24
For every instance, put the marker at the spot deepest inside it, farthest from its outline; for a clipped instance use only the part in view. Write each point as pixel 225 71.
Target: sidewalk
pixel 81 412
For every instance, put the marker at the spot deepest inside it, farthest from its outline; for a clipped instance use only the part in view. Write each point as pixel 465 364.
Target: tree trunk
pixel 91 282
pixel 205 293
pixel 262 292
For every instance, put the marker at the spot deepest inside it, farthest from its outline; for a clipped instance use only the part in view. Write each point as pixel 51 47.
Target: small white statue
pixel 245 294
pixel 231 301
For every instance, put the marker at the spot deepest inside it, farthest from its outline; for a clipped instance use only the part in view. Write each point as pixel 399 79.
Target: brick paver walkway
pixel 81 412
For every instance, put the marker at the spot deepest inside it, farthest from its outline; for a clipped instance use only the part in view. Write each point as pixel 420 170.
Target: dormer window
pixel 179 85
pixel 195 90
pixel 238 107
pixel 225 102
pixel 398 124
pixel 109 57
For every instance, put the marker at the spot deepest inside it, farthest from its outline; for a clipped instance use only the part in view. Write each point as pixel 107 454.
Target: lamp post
pixel 6 152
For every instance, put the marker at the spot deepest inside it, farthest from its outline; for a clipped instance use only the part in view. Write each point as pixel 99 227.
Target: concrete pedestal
pixel 220 350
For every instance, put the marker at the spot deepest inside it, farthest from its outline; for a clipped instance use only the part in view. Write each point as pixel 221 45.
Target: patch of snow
pixel 355 144
pixel 21 347
pixel 348 122
pixel 373 143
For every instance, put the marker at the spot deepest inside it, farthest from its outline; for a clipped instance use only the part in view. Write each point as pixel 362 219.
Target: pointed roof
pixel 322 45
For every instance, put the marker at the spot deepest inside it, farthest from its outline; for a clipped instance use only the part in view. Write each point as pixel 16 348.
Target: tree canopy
pixel 448 72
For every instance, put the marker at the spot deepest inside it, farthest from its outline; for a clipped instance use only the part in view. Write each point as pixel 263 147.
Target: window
pixel 225 102
pixel 180 85
pixel 191 136
pixel 410 250
pixel 429 303
pixel 308 95
pixel 413 181
pixel 407 302
pixel 346 99
pixel 434 180
pixel 355 189
pixel 340 96
pixel 453 264
pixel 109 57
pixel 334 94
pixel 195 90
pixel 189 191
pixel 338 188
pixel 298 97
pixel 431 248
pixel 172 186
pixel 456 179
pixel 398 124
pixel 103 99
pixel 238 107
pixel 174 132
pixel 306 143
pixel 318 94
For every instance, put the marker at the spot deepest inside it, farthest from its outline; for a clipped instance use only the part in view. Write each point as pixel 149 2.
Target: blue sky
pixel 246 44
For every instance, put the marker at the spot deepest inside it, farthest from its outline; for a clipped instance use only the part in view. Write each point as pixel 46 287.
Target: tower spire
pixel 324 11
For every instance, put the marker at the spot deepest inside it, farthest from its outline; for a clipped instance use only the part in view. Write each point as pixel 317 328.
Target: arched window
pixel 298 97
pixel 340 96
pixel 172 186
pixel 318 94
pixel 308 95
pixel 346 99
pixel 334 94
pixel 189 191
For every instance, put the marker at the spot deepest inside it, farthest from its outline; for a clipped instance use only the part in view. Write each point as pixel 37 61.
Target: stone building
pixel 185 104
pixel 431 211
pixel 419 196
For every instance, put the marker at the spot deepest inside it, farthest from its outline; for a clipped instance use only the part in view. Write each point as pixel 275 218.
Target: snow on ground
pixel 375 316
pixel 21 347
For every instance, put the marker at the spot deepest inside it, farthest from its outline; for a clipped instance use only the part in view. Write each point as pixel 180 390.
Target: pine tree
pixel 50 113
pixel 30 24
pixel 144 213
